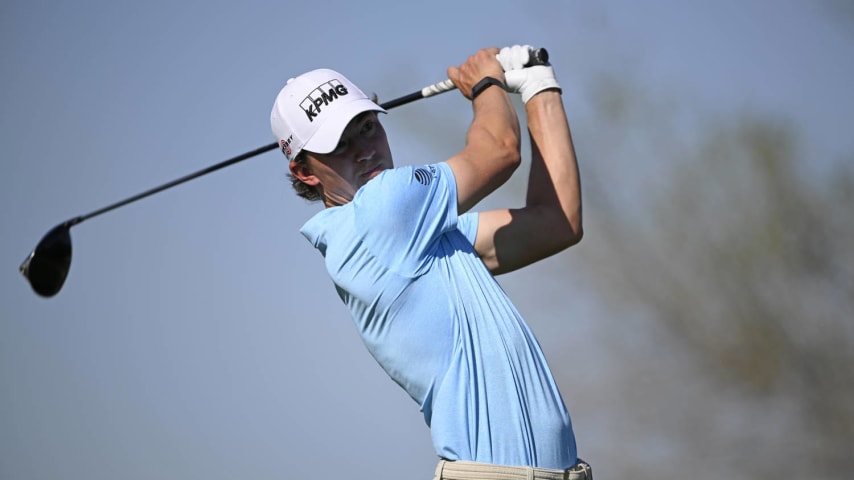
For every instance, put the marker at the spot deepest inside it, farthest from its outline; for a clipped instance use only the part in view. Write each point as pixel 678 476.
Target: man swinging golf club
pixel 414 264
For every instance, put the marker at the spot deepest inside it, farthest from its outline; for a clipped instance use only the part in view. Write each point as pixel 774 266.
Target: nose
pixel 364 150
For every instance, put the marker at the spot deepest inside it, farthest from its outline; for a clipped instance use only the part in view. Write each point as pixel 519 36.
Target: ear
pixel 303 172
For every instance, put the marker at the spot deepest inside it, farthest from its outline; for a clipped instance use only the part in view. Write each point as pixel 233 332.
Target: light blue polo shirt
pixel 436 320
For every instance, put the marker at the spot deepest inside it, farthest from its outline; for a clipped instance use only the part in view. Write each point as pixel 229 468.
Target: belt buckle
pixel 581 467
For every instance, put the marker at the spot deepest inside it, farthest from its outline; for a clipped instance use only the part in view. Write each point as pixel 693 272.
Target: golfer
pixel 414 264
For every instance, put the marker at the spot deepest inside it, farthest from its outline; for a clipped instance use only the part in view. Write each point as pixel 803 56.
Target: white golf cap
pixel 313 109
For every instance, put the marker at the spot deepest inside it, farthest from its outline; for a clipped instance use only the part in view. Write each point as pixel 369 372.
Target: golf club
pixel 47 266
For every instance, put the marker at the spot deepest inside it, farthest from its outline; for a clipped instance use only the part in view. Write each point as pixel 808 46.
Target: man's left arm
pixel 550 221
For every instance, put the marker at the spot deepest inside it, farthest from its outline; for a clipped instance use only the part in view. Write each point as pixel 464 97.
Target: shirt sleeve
pixel 467 225
pixel 404 211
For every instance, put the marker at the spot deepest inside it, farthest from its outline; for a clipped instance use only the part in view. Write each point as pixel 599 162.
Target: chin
pixel 372 175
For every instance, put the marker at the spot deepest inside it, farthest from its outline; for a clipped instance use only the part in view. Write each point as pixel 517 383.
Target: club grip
pixel 540 56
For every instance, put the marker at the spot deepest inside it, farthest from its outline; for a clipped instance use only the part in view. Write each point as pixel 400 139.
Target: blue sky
pixel 197 334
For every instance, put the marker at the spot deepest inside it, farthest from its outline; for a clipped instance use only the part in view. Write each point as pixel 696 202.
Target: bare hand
pixel 482 64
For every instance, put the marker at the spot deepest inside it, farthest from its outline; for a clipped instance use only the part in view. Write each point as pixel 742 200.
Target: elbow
pixel 499 154
pixel 512 162
pixel 570 234
pixel 507 147
pixel 570 239
pixel 575 239
pixel 510 154
pixel 504 158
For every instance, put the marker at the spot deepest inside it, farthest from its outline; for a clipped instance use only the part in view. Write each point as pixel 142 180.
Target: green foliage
pixel 740 251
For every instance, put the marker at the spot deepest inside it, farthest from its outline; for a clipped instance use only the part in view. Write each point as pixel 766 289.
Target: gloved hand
pixel 527 81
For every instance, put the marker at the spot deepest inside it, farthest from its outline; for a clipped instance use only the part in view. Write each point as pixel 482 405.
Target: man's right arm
pixel 491 154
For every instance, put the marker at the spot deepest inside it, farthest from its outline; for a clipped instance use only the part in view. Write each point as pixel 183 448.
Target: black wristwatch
pixel 482 85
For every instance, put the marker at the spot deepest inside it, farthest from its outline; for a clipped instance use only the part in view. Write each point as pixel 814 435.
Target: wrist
pixel 544 99
pixel 485 83
pixel 536 89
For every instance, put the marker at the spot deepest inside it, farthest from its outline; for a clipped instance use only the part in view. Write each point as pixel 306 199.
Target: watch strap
pixel 485 83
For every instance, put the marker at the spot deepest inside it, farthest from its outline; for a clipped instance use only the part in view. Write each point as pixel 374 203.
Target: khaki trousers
pixel 461 470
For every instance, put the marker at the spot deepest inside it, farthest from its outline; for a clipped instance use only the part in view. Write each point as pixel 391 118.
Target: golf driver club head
pixel 47 266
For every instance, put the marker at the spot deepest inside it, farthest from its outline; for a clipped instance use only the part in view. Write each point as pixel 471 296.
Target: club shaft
pixel 436 88
pixel 539 57
pixel 186 178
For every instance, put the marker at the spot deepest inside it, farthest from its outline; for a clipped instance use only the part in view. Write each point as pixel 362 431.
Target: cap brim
pixel 326 138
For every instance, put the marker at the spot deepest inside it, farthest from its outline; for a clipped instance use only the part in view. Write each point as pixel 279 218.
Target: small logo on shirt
pixel 423 176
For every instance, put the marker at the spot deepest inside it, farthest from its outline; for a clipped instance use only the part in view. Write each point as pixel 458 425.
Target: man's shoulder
pixel 402 180
pixel 329 220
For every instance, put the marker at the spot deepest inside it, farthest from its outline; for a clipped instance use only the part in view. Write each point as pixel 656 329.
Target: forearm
pixel 554 184
pixel 491 154
pixel 494 137
pixel 495 116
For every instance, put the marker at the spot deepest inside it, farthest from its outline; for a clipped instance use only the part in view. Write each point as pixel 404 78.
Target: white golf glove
pixel 527 81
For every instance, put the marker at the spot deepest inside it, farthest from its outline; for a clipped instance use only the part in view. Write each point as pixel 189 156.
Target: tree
pixel 742 260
